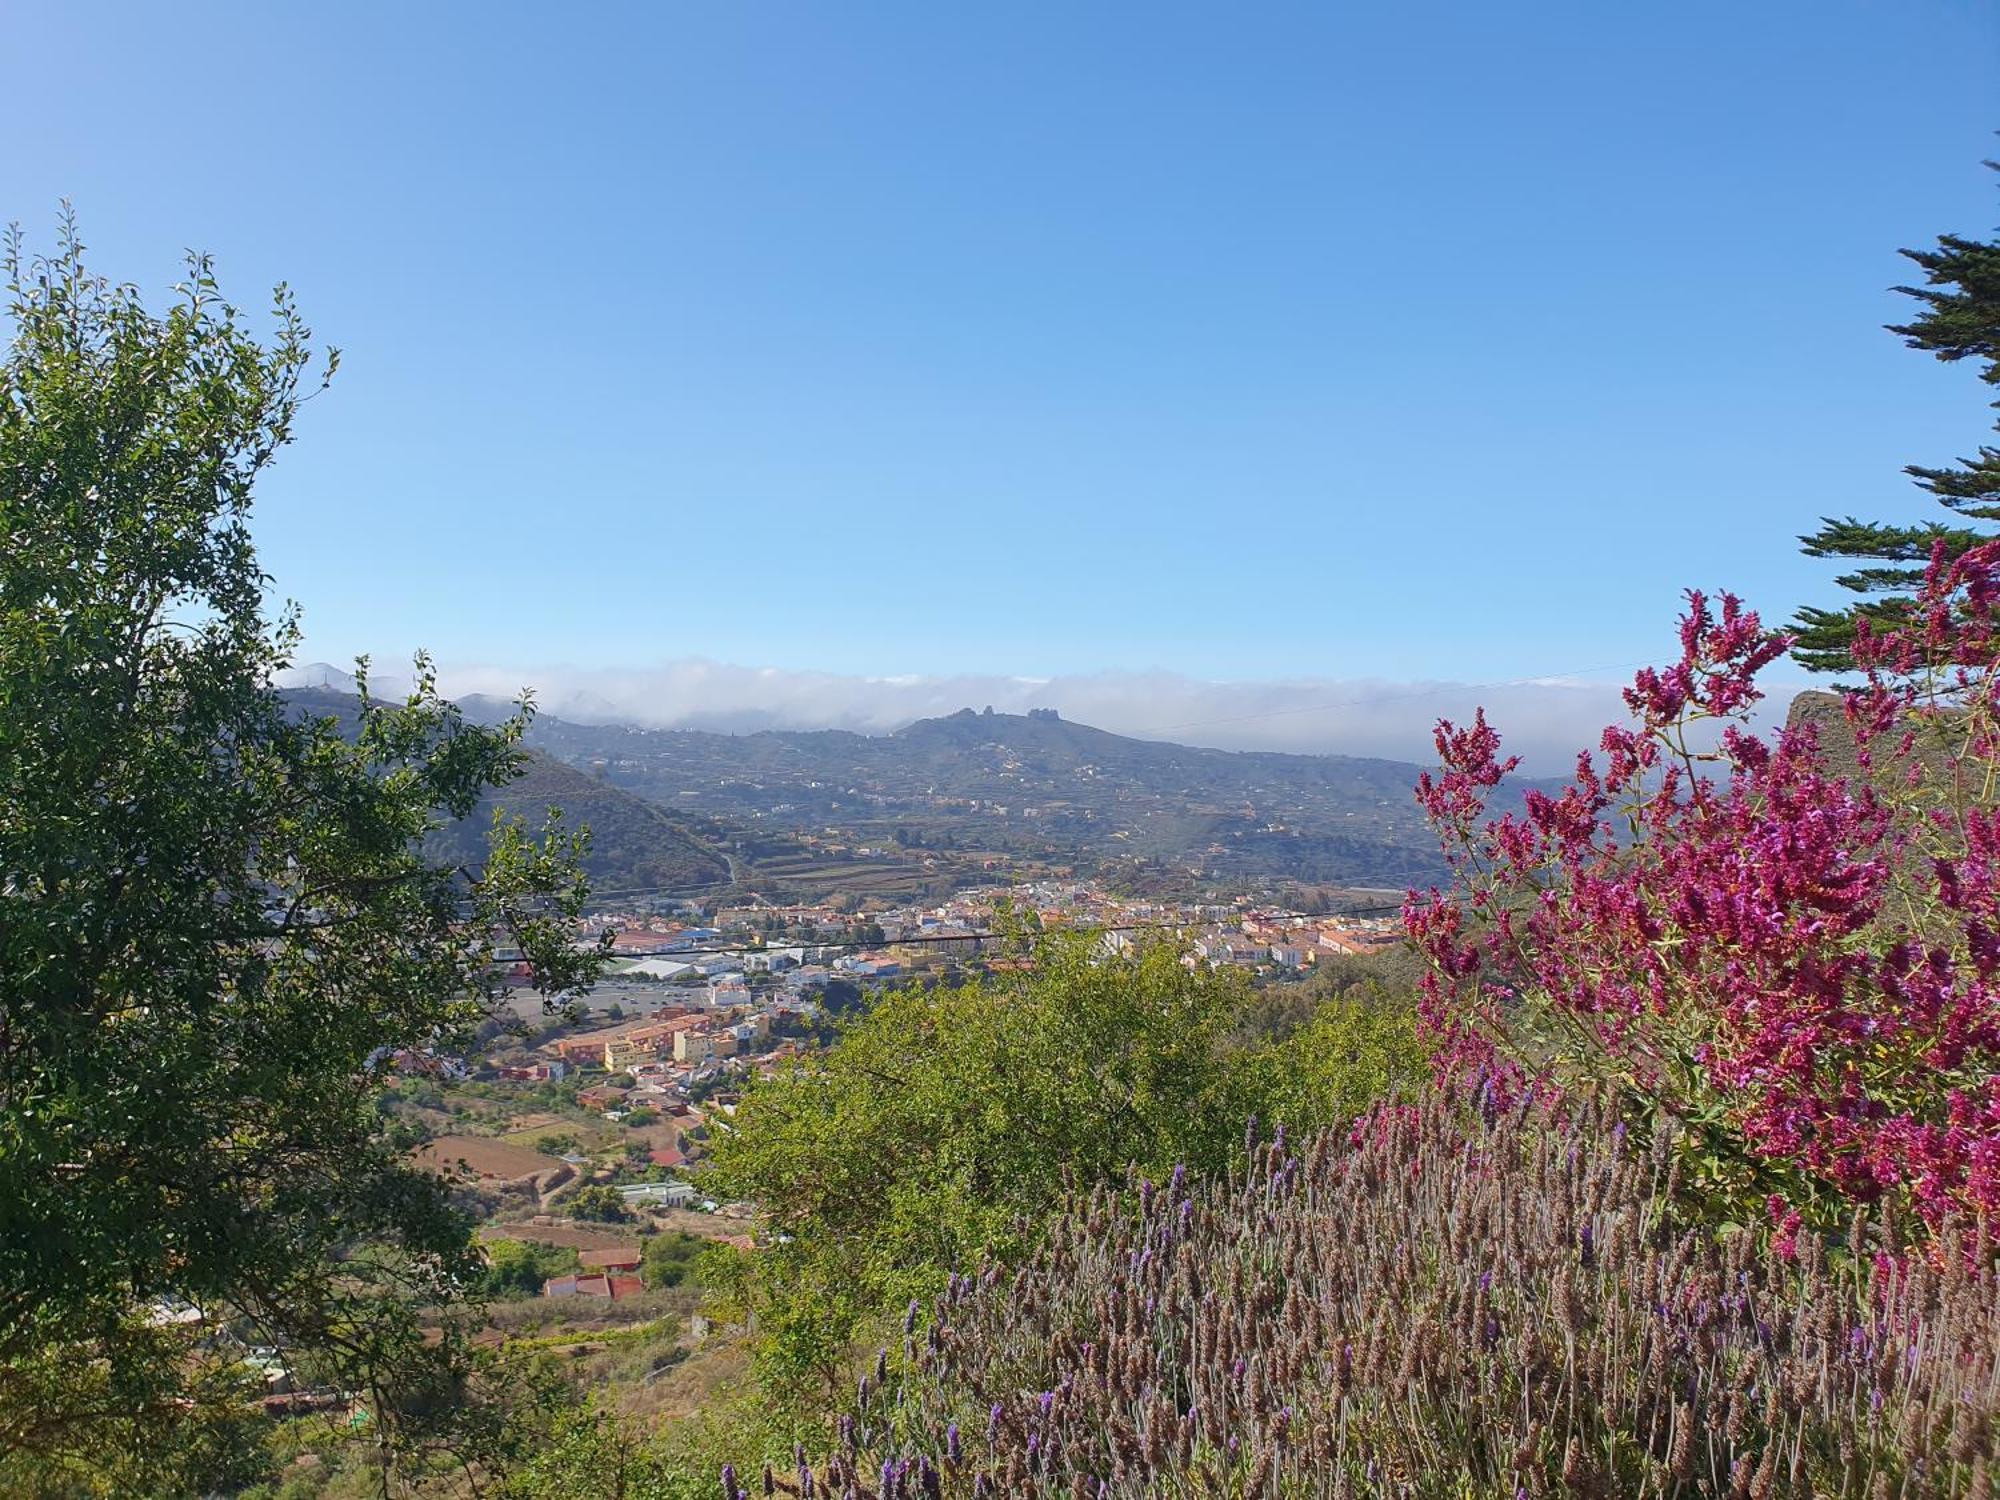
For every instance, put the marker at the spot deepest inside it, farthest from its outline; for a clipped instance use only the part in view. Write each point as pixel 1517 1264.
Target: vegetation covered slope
pixel 1450 1310
pixel 633 843
pixel 1034 783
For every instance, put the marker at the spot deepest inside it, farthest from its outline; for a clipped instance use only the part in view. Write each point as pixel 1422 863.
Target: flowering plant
pixel 1784 952
pixel 1446 1310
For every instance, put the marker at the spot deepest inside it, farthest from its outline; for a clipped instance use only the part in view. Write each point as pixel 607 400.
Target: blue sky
pixel 1398 341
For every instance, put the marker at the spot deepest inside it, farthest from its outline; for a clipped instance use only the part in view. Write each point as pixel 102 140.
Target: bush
pixel 1350 1052
pixel 600 1204
pixel 945 1119
pixel 945 1122
pixel 1794 964
pixel 1435 1315
pixel 670 1259
pixel 517 1268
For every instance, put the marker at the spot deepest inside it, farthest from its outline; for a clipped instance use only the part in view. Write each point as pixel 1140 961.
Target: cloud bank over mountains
pixel 1545 721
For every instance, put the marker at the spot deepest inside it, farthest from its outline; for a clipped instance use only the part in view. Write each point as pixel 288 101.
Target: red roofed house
pixel 620 1258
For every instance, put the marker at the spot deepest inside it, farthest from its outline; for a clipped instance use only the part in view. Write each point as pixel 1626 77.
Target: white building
pixel 657 1194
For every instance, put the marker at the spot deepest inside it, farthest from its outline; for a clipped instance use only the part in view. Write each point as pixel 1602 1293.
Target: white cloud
pixel 1544 720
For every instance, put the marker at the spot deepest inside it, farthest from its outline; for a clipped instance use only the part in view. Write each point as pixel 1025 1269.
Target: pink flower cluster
pixel 1801 967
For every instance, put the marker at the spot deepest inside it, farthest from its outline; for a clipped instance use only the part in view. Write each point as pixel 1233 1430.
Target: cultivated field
pixel 488 1157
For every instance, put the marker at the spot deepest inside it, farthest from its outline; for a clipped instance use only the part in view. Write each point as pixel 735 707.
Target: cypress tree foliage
pixel 1960 319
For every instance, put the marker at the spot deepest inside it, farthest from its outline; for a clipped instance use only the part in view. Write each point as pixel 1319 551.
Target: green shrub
pixel 600 1204
pixel 945 1122
pixel 517 1268
pixel 670 1259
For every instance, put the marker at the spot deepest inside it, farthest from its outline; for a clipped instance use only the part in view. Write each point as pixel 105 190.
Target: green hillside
pixel 1033 785
pixel 633 843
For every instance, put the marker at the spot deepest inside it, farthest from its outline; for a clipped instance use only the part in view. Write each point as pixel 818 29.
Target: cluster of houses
pixel 756 938
pixel 609 1274
pixel 1292 942
pixel 666 1051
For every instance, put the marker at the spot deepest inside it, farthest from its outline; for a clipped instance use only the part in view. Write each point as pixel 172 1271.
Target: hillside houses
pixel 721 989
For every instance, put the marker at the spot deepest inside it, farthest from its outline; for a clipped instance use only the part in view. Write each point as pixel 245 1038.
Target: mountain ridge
pixel 1034 783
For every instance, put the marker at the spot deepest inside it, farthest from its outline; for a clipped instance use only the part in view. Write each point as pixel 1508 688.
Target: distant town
pixel 709 998
pixel 580 1123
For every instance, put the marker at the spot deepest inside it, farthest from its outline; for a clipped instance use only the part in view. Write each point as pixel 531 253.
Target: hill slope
pixel 1038 784
pixel 634 842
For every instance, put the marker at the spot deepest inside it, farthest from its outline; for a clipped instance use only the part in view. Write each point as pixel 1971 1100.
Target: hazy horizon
pixel 1546 721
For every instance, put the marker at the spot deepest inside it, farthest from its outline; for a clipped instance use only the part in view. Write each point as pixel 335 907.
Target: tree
pixel 838 997
pixel 217 927
pixel 945 1121
pixel 517 1268
pixel 670 1258
pixel 1960 319
pixel 599 1203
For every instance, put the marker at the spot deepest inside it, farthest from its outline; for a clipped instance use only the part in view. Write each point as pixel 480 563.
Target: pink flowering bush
pixel 1791 970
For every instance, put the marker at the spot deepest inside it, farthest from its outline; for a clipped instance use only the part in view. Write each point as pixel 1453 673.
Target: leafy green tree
pixel 600 1204
pixel 217 929
pixel 1960 319
pixel 946 1121
pixel 582 1451
pixel 840 997
pixel 517 1268
pixel 594 1456
pixel 670 1258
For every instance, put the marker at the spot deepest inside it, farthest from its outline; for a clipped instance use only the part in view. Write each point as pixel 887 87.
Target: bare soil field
pixel 656 1137
pixel 488 1157
pixel 707 1226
